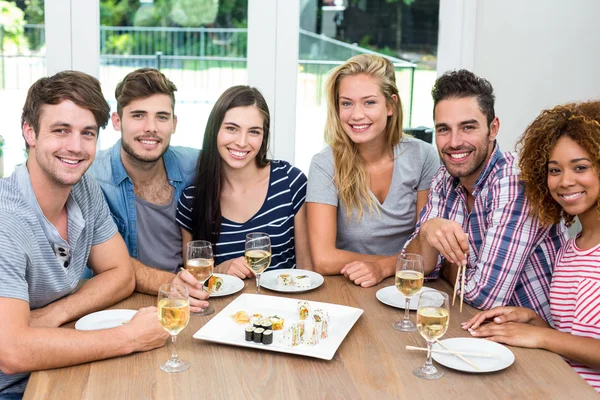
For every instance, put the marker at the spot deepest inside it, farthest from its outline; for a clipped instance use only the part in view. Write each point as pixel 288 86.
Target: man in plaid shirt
pixel 477 214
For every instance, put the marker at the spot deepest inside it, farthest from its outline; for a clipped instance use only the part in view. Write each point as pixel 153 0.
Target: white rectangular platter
pixel 223 329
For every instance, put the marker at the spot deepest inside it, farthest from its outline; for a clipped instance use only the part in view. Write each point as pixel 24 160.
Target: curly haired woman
pixel 560 164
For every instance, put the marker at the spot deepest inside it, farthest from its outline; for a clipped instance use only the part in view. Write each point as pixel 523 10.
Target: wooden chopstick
pixel 456 285
pixel 459 356
pixel 462 353
pixel 462 286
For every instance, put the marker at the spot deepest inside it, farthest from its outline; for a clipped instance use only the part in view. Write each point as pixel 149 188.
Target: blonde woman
pixel 366 189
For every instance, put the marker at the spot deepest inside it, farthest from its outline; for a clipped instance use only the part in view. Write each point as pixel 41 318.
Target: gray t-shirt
pixel 36 264
pixel 158 234
pixel 415 164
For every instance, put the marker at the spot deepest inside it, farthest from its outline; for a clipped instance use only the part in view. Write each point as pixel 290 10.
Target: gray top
pixel 32 267
pixel 383 233
pixel 162 250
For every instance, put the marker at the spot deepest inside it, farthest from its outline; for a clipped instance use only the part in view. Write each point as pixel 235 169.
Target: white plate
pixel 503 356
pixel 268 280
pixel 231 284
pixel 223 329
pixel 392 297
pixel 104 319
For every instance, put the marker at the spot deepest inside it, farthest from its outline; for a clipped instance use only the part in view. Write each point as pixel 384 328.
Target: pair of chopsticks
pixel 462 271
pixel 456 353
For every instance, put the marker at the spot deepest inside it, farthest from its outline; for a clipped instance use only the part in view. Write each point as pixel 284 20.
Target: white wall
pixel 536 54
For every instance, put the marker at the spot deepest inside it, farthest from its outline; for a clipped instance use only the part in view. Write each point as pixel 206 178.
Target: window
pixel 331 31
pixel 200 45
pixel 22 62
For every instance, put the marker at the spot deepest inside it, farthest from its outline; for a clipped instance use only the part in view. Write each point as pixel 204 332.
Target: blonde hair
pixel 351 177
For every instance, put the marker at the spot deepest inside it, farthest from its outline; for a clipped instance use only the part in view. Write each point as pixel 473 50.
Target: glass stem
pixel 428 362
pixel 174 355
pixel 406 309
pixel 257 283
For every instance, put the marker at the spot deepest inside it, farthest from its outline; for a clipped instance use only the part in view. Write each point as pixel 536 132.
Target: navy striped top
pixel 285 196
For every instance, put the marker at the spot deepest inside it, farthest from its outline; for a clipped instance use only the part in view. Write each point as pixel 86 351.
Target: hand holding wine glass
pixel 409 280
pixel 258 254
pixel 200 263
pixel 174 315
pixel 433 317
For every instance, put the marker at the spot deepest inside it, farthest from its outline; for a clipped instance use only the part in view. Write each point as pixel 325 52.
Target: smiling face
pixel 240 136
pixel 65 146
pixel 363 111
pixel 572 180
pixel 463 138
pixel 146 127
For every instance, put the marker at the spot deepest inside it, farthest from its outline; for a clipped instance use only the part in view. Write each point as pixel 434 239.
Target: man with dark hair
pixel 142 178
pixel 54 222
pixel 477 216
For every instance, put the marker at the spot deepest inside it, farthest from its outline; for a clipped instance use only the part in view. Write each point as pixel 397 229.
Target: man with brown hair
pixel 142 178
pixel 54 222
pixel 477 223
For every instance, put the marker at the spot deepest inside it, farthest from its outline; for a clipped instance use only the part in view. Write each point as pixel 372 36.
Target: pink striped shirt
pixel 575 298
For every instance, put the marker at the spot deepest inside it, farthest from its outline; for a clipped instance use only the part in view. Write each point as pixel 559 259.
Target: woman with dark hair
pixel 560 165
pixel 238 190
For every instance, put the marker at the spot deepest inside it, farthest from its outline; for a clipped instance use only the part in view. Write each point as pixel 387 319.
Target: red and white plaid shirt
pixel 510 253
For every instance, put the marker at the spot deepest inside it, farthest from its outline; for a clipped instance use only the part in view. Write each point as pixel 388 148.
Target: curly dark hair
pixel 462 83
pixel 578 121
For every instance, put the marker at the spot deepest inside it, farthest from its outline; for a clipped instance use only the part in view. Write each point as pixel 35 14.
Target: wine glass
pixel 200 263
pixel 258 254
pixel 174 315
pixel 433 316
pixel 409 280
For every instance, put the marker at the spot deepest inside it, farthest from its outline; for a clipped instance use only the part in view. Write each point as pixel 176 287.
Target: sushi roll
pixel 291 336
pixel 321 318
pixel 276 323
pixel 258 333
pixel 266 324
pixel 303 310
pixel 250 334
pixel 302 281
pixel 256 320
pixel 301 328
pixel 284 280
pixel 267 337
pixel 311 333
pixel 214 284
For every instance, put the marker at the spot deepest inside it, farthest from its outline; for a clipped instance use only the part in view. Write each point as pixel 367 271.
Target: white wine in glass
pixel 433 316
pixel 200 263
pixel 409 281
pixel 258 254
pixel 174 315
pixel 258 260
pixel 200 268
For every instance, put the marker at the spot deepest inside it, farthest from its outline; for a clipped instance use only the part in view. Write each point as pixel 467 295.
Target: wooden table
pixel 370 363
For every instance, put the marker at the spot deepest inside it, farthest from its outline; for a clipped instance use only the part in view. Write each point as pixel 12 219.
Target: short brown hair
pixel 462 83
pixel 578 121
pixel 142 83
pixel 78 87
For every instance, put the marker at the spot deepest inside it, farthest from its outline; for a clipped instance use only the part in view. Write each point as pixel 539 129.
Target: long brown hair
pixel 206 207
pixel 351 176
